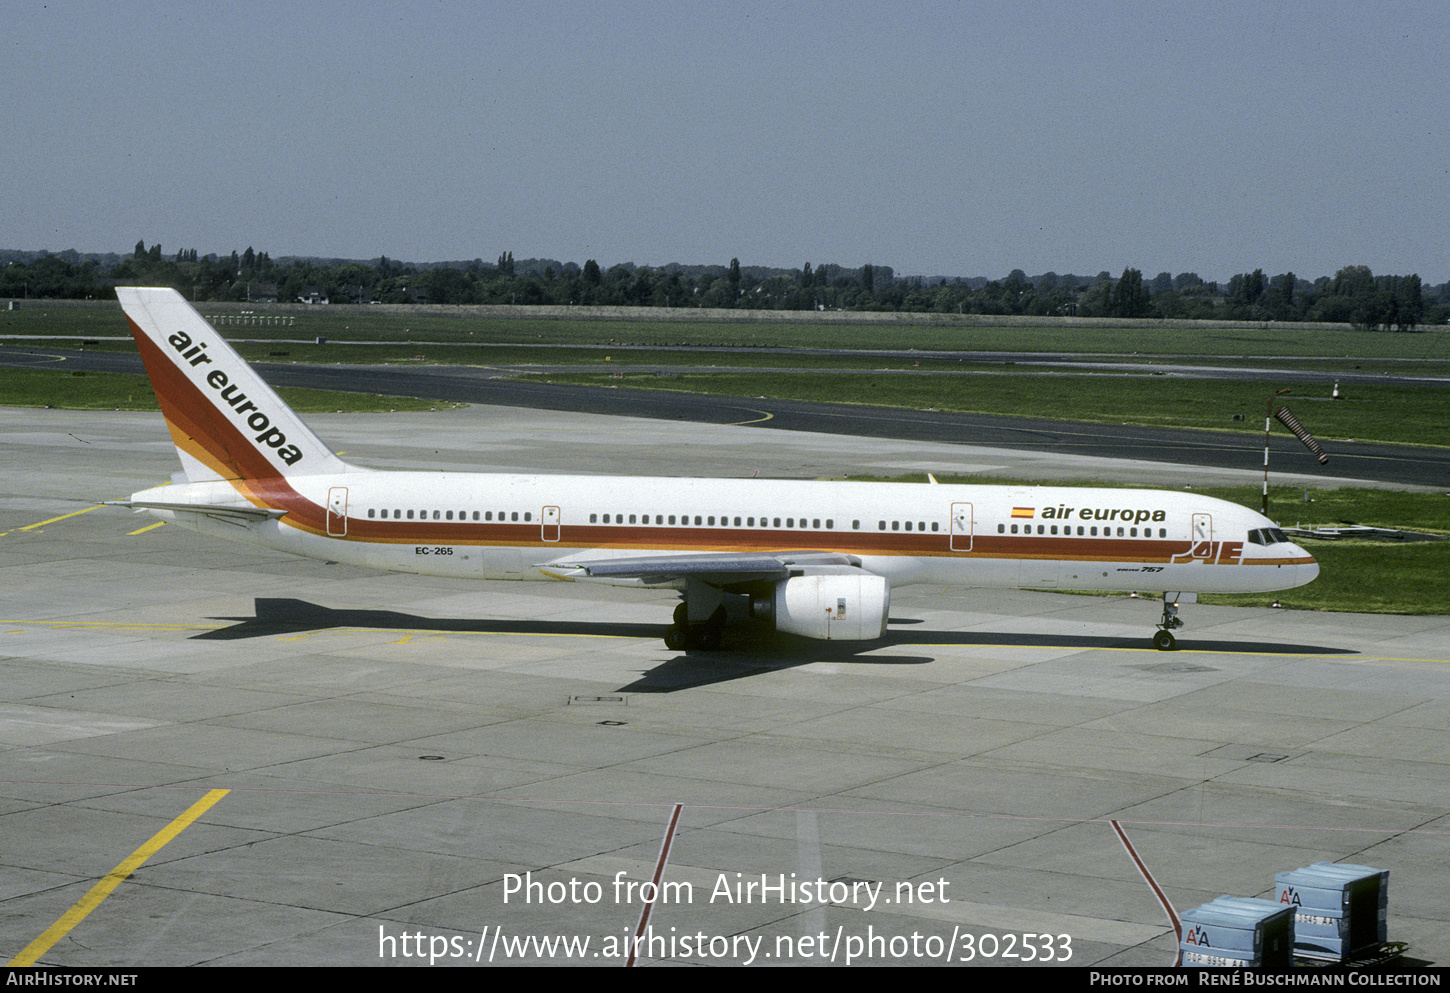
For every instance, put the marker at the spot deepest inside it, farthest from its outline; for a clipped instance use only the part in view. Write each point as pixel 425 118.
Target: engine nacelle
pixel 850 607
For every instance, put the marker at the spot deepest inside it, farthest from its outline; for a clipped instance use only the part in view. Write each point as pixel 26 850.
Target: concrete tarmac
pixel 421 769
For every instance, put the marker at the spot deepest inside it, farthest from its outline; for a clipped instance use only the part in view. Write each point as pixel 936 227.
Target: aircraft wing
pixel 720 568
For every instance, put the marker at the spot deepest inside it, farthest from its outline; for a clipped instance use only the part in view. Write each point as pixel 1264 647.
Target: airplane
pixel 812 558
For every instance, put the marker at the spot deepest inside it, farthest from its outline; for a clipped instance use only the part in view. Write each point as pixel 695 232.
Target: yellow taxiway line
pixel 41 524
pixel 112 879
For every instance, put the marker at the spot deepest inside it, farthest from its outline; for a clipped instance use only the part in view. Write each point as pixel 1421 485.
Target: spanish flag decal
pixel 1022 511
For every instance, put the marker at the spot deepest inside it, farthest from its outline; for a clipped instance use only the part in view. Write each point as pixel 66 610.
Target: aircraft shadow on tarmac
pixel 747 651
pixel 280 615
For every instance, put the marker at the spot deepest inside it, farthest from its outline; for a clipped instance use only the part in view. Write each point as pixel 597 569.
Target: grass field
pixel 459 324
pixel 1397 414
pixel 109 391
pixel 607 357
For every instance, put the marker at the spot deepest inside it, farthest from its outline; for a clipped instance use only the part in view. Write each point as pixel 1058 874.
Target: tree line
pixel 1353 295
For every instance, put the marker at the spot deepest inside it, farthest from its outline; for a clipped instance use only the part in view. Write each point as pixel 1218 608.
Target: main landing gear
pixel 685 634
pixel 1163 640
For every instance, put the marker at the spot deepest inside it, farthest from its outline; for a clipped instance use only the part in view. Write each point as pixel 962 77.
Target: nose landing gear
pixel 1163 640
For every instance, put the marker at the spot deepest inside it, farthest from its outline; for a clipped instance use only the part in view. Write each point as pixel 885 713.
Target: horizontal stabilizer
pixel 210 510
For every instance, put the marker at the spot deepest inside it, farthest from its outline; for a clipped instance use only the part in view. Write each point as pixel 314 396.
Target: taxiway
pixel 399 752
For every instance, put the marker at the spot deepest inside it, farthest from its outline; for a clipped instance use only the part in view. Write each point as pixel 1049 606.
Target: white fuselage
pixel 499 526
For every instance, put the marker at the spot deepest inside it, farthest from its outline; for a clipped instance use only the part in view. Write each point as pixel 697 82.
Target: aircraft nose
pixel 1307 570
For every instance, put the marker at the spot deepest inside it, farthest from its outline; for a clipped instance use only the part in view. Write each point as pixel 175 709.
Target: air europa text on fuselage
pixel 1128 515
pixel 218 380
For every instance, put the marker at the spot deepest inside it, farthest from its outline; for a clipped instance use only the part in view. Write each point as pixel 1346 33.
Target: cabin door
pixel 549 524
pixel 1202 527
pixel 337 511
pixel 961 537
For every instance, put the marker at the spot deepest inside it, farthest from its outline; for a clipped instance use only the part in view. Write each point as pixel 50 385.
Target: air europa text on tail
pixel 257 421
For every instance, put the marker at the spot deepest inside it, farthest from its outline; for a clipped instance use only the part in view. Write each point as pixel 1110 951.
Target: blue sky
pixel 936 138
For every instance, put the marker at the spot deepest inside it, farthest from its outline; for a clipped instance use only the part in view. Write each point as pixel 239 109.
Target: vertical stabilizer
pixel 225 421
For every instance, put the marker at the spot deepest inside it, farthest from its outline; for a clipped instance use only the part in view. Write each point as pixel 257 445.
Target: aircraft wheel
pixel 677 637
pixel 1163 641
pixel 682 614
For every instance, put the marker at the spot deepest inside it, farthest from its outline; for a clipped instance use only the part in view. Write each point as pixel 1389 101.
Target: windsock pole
pixel 1292 423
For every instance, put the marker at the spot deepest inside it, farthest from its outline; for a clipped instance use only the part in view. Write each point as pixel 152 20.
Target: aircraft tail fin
pixel 226 422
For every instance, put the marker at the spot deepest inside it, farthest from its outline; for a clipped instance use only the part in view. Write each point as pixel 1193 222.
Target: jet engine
pixel 833 607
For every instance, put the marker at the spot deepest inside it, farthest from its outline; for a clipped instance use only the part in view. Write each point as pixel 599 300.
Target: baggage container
pixel 1238 932
pixel 1339 909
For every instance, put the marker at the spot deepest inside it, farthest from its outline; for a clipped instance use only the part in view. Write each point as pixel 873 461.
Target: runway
pixel 419 770
pixel 1352 462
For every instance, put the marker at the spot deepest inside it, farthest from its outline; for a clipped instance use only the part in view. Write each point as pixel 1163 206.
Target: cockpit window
pixel 1267 536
